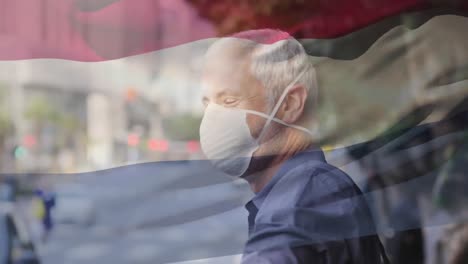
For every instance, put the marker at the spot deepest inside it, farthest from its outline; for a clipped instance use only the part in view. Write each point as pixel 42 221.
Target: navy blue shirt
pixel 311 212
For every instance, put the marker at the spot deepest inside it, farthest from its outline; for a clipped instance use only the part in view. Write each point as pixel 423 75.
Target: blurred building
pixel 70 116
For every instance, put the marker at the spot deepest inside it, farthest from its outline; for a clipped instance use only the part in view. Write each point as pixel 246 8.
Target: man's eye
pixel 230 101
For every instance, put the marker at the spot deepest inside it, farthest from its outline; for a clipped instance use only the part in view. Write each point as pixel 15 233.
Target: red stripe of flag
pixel 110 29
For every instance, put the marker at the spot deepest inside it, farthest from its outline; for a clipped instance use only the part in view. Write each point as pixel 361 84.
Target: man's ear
pixel 293 105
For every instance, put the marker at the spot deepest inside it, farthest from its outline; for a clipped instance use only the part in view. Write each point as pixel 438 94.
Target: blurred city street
pixel 142 220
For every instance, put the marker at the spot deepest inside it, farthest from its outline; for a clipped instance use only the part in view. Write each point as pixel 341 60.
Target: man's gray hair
pixel 277 65
pixel 276 60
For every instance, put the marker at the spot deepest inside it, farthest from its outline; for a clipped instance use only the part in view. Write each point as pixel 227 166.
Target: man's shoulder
pixel 313 184
pixel 319 199
pixel 328 184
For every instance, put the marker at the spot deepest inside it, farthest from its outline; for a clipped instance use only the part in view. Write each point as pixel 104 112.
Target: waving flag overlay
pixel 104 29
pixel 393 86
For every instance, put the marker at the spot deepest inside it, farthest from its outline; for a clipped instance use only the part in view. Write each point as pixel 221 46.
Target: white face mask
pixel 226 139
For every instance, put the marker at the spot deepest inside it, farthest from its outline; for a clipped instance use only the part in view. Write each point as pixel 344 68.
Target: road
pixel 158 213
pixel 155 213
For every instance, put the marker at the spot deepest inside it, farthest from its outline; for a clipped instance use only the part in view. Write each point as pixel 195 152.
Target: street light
pixel 133 140
pixel 158 145
pixel 20 152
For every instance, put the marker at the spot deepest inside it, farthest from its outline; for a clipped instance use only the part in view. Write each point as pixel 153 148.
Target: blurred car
pixel 16 245
pixel 73 205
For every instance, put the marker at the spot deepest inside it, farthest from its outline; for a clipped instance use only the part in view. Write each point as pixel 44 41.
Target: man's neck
pixel 294 144
pixel 258 180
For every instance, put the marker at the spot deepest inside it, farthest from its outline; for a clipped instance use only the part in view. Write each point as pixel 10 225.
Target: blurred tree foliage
pixel 6 124
pixel 42 113
pixel 182 127
pixel 230 16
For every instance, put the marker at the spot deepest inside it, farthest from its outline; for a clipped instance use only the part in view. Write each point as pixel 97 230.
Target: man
pixel 259 91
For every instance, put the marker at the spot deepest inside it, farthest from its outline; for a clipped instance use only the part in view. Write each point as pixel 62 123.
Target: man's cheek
pixel 256 124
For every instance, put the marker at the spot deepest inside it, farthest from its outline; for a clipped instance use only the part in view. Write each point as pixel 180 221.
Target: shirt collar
pixel 312 153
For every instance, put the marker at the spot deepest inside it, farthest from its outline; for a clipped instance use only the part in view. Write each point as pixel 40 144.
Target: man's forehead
pixel 224 80
pixel 225 67
pixel 226 56
pixel 230 47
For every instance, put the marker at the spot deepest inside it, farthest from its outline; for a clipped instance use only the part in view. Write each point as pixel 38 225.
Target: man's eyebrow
pixel 217 95
pixel 220 94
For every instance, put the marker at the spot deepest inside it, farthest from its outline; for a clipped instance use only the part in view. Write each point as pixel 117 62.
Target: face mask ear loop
pixel 278 104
